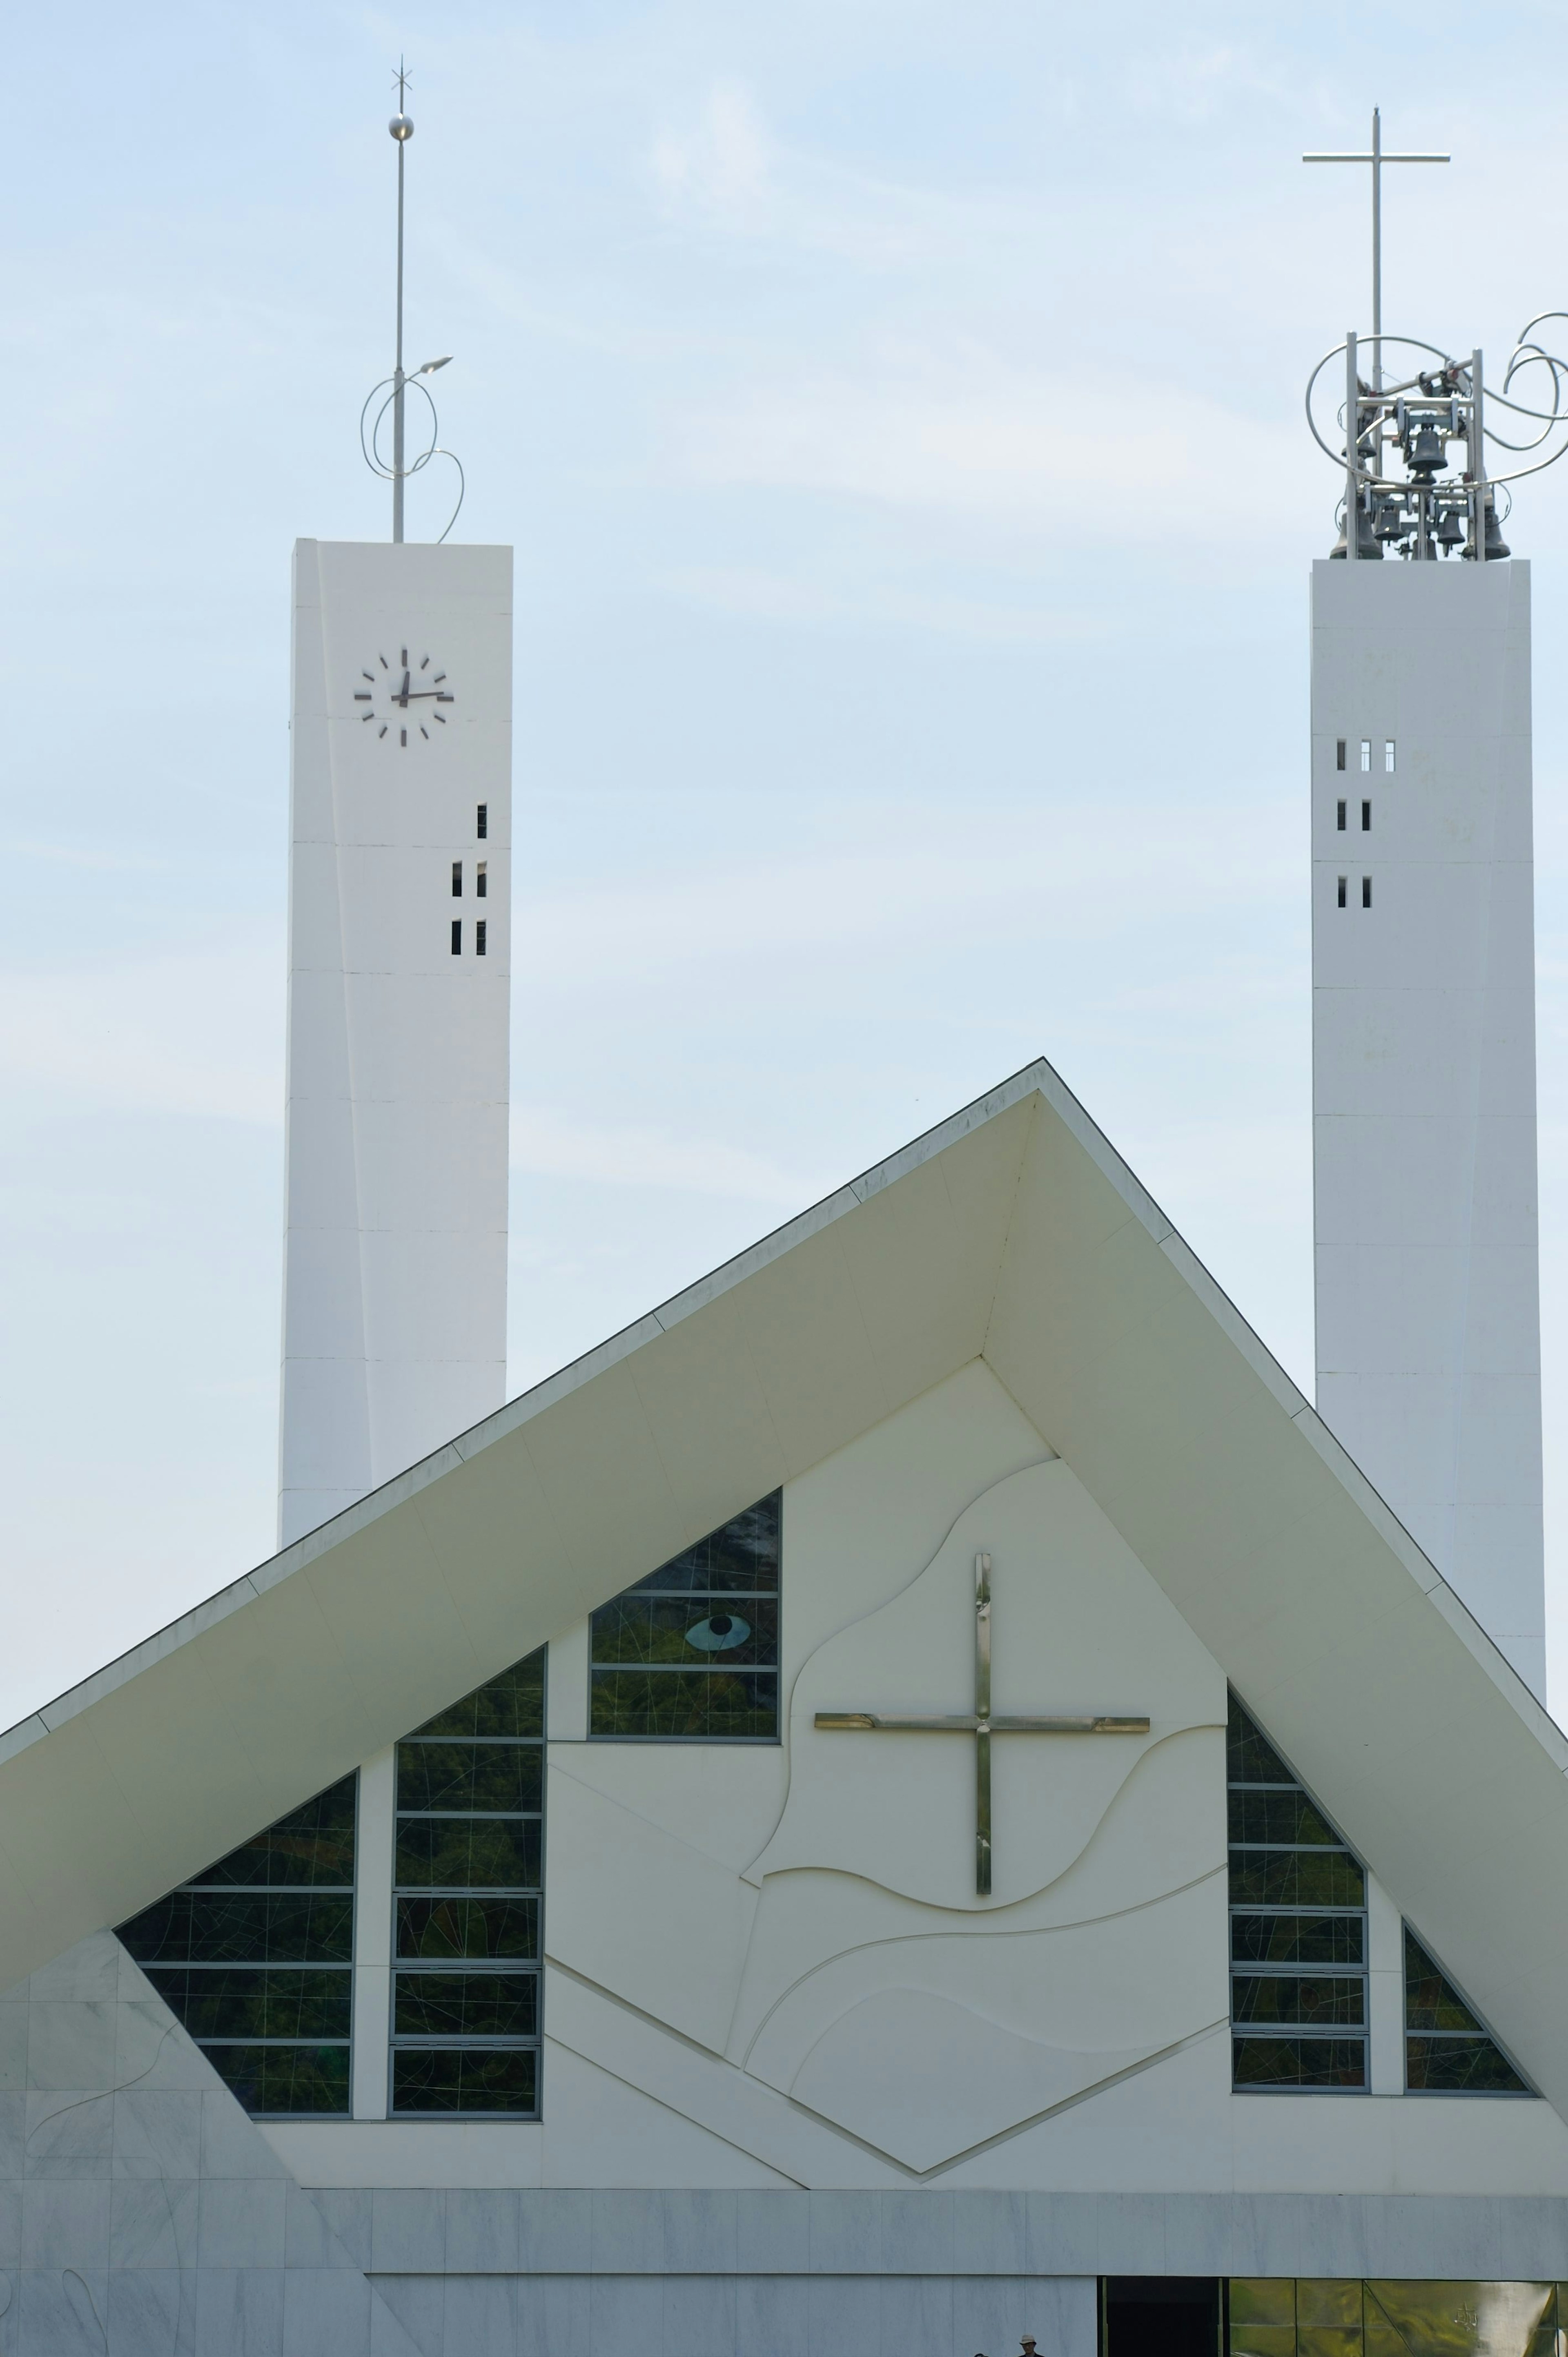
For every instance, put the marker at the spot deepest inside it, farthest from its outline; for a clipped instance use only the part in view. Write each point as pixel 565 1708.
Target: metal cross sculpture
pixel 1377 157
pixel 981 1724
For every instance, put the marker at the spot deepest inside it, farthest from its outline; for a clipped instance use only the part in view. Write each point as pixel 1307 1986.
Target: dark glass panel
pixel 513 1704
pixel 1431 1999
pixel 1287 1818
pixel 285 2078
pixel 1316 2002
pixel 464 2079
pixel 1298 1939
pixel 439 1928
pixel 487 1777
pixel 1249 1757
pixel 1299 2062
pixel 742 1555
pixel 310 1846
pixel 1460 2066
pixel 465 2004
pixel 1329 1877
pixel 232 2001
pixel 676 1702
pixel 227 1927
pixel 705 1629
pixel 469 1853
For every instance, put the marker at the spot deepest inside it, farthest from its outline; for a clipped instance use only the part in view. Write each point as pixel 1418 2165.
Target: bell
pixel 1426 452
pixel 1365 545
pixel 1391 523
pixel 1451 529
pixel 1496 544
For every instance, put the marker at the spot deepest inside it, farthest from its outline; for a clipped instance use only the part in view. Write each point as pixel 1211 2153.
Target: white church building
pixel 922 1799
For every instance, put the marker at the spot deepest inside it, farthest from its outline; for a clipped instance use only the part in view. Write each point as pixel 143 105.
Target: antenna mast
pixel 401 129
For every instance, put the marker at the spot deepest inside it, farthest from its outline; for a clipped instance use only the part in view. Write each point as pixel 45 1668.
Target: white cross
pixel 1376 157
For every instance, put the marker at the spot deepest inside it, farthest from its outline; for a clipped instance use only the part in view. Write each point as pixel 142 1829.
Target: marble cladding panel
pixel 143 2215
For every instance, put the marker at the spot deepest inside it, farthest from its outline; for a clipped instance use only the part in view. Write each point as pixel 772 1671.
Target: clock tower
pixel 395 1245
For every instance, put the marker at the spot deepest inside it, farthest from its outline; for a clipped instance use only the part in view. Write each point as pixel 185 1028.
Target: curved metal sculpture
pixel 1409 496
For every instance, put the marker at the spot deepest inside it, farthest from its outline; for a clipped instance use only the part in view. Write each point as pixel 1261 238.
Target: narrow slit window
pixel 1339 753
pixel 479 938
pixel 482 820
pixel 1366 818
pixel 1342 891
pixel 1365 891
pixel 456 936
pixel 1339 816
pixel 1388 756
pixel 456 880
pixel 481 879
pixel 1366 755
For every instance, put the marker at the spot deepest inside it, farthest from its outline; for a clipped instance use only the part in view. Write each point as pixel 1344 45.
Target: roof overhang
pixel 1013 1233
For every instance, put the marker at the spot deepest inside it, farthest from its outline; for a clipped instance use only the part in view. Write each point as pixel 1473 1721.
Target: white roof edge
pixel 1038 1078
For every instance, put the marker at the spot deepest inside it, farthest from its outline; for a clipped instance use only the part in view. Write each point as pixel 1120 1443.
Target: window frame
pixel 1360 2033
pixel 710 1742
pixel 511 1968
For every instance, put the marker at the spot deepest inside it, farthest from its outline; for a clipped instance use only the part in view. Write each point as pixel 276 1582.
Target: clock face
pixel 402 702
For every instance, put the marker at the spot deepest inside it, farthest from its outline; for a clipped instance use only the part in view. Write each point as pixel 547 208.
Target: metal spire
pixel 402 130
pixel 1377 159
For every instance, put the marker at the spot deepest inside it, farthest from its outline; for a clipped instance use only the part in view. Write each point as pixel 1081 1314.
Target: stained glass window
pixel 1298 1928
pixel 255 1957
pixel 691 1652
pixel 1448 2050
pixel 471 1827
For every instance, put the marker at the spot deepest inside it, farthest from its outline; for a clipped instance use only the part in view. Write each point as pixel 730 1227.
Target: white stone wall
pixel 1424 1067
pixel 394 1286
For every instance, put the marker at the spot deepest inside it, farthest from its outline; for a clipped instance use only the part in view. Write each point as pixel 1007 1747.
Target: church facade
pixel 915 1801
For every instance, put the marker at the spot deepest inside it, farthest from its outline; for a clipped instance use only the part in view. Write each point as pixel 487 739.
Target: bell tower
pixel 400 896
pixel 1426 1274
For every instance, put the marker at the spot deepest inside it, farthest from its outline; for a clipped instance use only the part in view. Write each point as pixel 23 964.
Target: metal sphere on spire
pixel 401 126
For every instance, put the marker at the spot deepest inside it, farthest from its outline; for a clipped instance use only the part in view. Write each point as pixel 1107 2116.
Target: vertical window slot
pixel 1388 756
pixel 456 936
pixel 1365 891
pixel 482 820
pixel 1342 891
pixel 1339 816
pixel 1366 818
pixel 1366 755
pixel 1339 754
pixel 481 879
pixel 456 880
pixel 479 938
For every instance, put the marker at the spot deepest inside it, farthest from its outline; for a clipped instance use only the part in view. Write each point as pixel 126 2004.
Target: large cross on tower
pixel 1376 156
pixel 981 1724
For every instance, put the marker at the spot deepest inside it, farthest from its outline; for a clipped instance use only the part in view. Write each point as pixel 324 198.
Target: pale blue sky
pixel 895 409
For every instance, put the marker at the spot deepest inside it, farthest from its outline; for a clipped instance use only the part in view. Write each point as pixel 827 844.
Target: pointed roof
pixel 1012 1231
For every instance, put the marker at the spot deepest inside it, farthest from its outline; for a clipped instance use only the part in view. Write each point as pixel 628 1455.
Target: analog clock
pixel 402 700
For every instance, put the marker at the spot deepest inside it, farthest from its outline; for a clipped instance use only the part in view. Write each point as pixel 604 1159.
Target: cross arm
pixel 870 1722
pixel 1383 156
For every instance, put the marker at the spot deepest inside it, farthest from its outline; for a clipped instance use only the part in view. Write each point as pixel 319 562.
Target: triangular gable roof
pixel 1012 1231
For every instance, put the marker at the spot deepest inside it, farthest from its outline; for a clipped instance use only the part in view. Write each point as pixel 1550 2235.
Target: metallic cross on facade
pixel 981 1724
pixel 1377 157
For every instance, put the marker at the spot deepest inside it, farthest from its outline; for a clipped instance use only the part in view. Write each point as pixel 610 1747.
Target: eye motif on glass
pixel 402 700
pixel 721 1632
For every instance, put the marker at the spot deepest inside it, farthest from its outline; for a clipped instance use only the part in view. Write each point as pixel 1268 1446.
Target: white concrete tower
pixel 1424 1002
pixel 394 1291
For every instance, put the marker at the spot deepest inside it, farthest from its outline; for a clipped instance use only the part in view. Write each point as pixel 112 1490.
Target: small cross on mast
pixel 1377 158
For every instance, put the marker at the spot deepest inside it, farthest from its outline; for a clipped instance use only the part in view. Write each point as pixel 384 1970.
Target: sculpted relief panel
pixel 852 1968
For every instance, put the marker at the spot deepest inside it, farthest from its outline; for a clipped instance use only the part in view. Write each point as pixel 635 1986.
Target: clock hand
pixel 403 697
pixel 438 692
